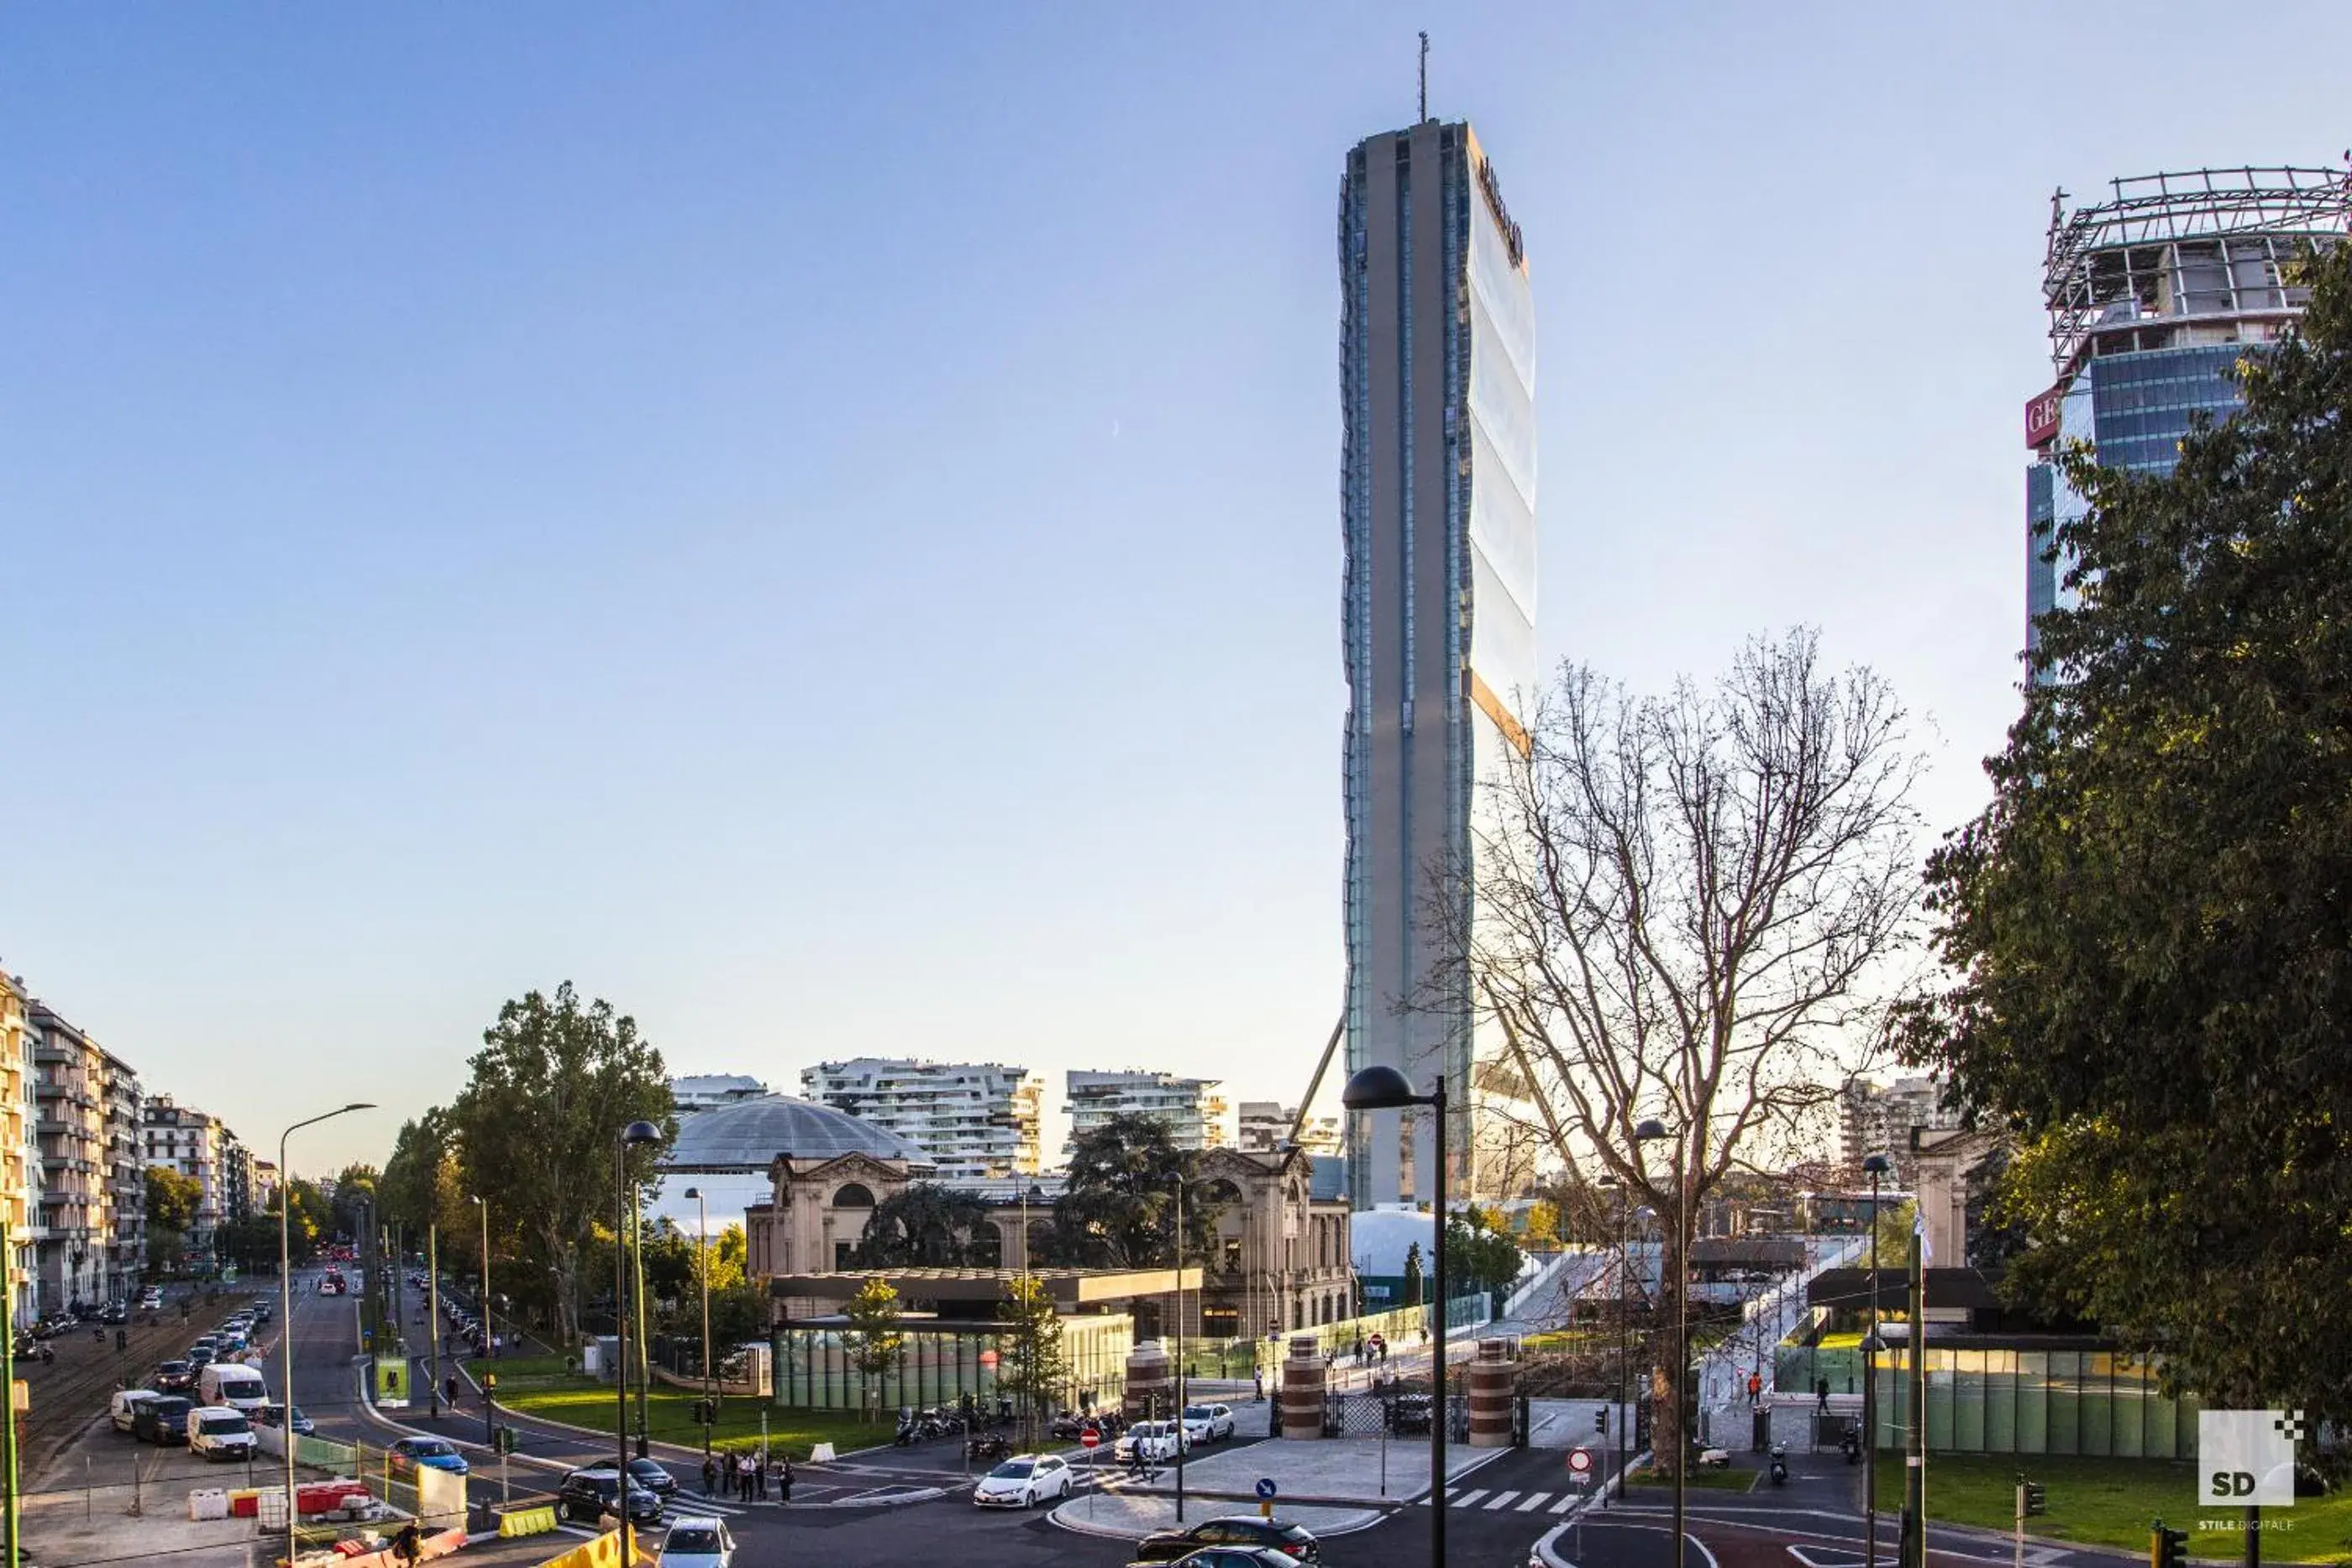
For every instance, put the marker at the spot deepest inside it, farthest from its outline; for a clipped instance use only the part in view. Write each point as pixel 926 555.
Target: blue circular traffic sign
pixel 1266 1486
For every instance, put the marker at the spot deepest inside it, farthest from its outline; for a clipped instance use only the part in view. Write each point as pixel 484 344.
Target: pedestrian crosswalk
pixel 1512 1502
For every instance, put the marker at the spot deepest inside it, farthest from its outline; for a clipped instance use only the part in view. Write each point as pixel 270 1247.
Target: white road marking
pixel 1535 1499
pixel 1499 1499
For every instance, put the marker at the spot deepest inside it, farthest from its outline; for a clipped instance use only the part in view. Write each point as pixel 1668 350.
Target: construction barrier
pixel 245 1502
pixel 605 1552
pixel 208 1503
pixel 526 1521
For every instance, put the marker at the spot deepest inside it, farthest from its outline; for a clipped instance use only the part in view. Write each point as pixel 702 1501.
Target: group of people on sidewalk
pixel 747 1476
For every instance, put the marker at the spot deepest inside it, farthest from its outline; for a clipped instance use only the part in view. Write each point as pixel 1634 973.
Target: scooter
pixel 905 1438
pixel 1780 1465
pixel 1852 1444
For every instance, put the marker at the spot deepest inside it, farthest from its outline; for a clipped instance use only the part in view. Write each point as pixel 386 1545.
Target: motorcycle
pixel 908 1429
pixel 1780 1465
pixel 1852 1444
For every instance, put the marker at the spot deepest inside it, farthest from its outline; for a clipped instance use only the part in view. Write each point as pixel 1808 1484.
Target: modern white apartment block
pixel 1196 1115
pixel 978 1121
pixel 708 1090
pixel 193 1143
pixel 1266 1125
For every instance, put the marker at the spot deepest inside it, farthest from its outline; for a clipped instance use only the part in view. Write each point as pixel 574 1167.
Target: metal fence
pixel 1393 1413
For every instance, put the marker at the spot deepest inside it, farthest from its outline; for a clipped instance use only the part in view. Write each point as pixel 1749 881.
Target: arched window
pixel 1220 1191
pixel 853 1195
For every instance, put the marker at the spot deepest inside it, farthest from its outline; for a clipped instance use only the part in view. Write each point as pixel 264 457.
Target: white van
pixel 125 1408
pixel 221 1433
pixel 231 1384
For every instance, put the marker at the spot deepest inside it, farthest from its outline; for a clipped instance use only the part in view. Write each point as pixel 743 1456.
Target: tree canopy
pixel 171 1200
pixel 538 1125
pixel 2151 926
pixel 925 1225
pixel 1117 1205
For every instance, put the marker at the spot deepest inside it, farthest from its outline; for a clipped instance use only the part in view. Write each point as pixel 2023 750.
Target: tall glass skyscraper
pixel 2154 297
pixel 1437 374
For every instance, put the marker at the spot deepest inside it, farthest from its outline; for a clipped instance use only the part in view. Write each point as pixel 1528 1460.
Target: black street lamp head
pixel 1876 1165
pixel 691 1192
pixel 1379 1088
pixel 1608 1183
pixel 1650 1129
pixel 641 1133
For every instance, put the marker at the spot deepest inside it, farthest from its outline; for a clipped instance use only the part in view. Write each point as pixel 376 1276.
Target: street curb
pixel 1103 1531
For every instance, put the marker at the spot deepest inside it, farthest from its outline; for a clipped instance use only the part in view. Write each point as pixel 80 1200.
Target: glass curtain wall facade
pixel 816 1370
pixel 1438 510
pixel 2153 299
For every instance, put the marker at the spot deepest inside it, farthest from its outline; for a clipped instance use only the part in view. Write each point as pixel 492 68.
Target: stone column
pixel 1302 1388
pixel 1493 1380
pixel 1150 1383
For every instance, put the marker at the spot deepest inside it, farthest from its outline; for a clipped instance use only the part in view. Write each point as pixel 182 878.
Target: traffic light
pixel 2032 1497
pixel 1600 1420
pixel 2167 1548
pixel 506 1440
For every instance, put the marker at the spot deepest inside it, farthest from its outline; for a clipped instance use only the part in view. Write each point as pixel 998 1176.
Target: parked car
pixel 217 1432
pixel 1294 1542
pixel 412 1454
pixel 698 1544
pixel 274 1416
pixel 1023 1480
pixel 649 1475
pixel 53 1326
pixel 590 1493
pixel 126 1404
pixel 174 1377
pixel 115 1313
pixel 164 1420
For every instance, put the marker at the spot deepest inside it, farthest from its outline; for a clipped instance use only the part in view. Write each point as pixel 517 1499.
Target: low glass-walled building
pixel 944 1360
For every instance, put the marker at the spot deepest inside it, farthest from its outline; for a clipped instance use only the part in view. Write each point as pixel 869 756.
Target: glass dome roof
pixel 748 1135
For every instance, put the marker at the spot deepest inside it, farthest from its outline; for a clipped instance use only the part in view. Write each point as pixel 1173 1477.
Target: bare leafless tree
pixel 1689 909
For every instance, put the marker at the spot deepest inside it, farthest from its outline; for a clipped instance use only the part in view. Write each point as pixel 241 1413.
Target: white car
pixel 1154 1440
pixel 152 1301
pixel 217 1432
pixel 1023 1480
pixel 1207 1423
pixel 698 1544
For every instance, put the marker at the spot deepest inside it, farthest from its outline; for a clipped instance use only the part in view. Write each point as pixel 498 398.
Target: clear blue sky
pixel 821 526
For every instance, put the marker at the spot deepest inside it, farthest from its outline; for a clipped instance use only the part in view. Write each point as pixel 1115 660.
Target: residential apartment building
pixel 74 1085
pixel 1437 472
pixel 1877 1120
pixel 266 1183
pixel 1195 1114
pixel 1265 1126
pixel 191 1142
pixel 237 1178
pixel 977 1121
pixel 20 1154
pixel 126 1178
pixel 708 1090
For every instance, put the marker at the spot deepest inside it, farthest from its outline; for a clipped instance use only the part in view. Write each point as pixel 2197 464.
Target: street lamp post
pixel 286 1301
pixel 1611 1184
pixel 702 1258
pixel 489 1325
pixel 1649 1131
pixel 1877 1166
pixel 634 1134
pixel 1386 1089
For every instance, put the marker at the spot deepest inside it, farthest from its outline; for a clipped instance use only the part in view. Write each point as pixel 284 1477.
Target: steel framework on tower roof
pixel 2089 265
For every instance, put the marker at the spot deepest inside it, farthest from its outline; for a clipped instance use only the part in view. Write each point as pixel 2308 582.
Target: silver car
pixel 698 1544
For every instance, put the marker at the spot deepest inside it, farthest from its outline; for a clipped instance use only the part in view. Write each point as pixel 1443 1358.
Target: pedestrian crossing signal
pixel 2032 1497
pixel 1600 1420
pixel 503 1440
pixel 2167 1548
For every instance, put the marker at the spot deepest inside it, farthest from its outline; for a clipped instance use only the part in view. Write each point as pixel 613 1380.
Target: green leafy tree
pixel 2149 926
pixel 1479 1246
pixel 877 1340
pixel 1117 1206
pixel 537 1127
pixel 1033 1366
pixel 1412 1274
pixel 172 1202
pixel 925 1225
pixel 672 1282
pixel 355 1200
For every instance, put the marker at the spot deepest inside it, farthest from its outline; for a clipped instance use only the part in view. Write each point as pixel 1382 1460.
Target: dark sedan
pixel 589 1494
pixel 646 1473
pixel 1296 1542
pixel 173 1377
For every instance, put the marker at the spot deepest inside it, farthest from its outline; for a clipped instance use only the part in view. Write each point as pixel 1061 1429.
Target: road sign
pixel 1266 1486
pixel 1090 1438
pixel 1581 1460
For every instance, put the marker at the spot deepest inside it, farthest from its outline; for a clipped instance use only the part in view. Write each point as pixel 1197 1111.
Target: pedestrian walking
pixel 1755 1388
pixel 1258 1378
pixel 784 1481
pixel 1822 1394
pixel 710 1475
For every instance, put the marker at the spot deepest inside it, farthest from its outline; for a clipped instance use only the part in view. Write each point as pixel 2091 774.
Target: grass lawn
pixel 1696 1480
pixel 2111 1502
pixel 536 1389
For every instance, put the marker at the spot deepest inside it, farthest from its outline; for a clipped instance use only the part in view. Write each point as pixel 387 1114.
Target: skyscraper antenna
pixel 1424 76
